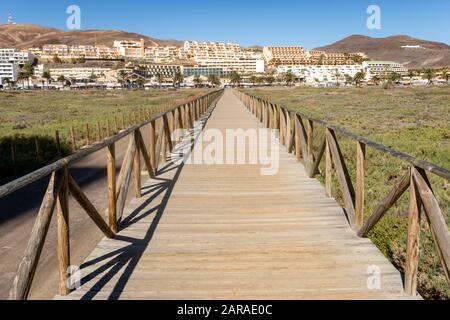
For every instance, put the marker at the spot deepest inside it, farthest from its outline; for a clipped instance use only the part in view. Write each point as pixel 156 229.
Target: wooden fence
pixel 296 132
pixel 62 184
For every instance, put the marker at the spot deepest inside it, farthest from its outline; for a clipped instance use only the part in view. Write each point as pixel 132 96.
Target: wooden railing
pixel 296 132
pixel 62 184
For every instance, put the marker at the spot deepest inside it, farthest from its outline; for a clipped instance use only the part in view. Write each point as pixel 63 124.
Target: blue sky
pixel 248 22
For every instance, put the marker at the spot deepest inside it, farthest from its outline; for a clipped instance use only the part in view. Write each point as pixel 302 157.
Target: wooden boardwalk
pixel 228 232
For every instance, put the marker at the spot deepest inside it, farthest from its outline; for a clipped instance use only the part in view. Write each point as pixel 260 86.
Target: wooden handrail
pixel 62 185
pixel 81 154
pixel 415 179
pixel 425 165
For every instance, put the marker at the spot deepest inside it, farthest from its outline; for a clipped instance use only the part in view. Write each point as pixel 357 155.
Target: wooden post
pixel 58 144
pixel 328 170
pixel 108 128
pixel 360 183
pixel 152 145
pixel 310 142
pixel 88 134
pixel 116 124
pixel 123 121
pixel 112 197
pixel 38 149
pixel 99 131
pixel 73 138
pixel 137 168
pixel 63 234
pixel 14 157
pixel 413 246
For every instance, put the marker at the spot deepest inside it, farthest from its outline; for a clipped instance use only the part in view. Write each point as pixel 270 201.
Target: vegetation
pixel 235 79
pixel 413 120
pixel 29 116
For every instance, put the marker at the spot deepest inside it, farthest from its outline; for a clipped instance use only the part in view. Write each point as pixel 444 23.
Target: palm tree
pixel 289 78
pixel 270 79
pixel 214 80
pixel 428 74
pixel 47 76
pixel 140 82
pixel 445 74
pixel 253 80
pixel 348 79
pixel 411 74
pixel 359 77
pixel 376 79
pixel 337 74
pixel 93 77
pixel 235 78
pixel 21 78
pixel 122 75
pixel 198 81
pixel 394 77
pixel 63 80
pixel 178 78
pixel 159 79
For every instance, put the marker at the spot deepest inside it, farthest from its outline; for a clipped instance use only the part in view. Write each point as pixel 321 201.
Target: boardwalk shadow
pixel 125 260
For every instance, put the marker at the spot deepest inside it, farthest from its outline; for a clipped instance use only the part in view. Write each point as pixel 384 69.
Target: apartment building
pixel 158 54
pixel 8 71
pixel 152 70
pixel 321 73
pixel 213 50
pixel 383 68
pixel 285 55
pixel 197 71
pixel 130 49
pixel 79 73
pixel 243 65
pixel 15 56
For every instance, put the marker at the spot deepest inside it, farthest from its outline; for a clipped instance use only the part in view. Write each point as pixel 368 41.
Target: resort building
pixel 15 56
pixel 8 71
pixel 243 65
pixel 321 73
pixel 152 70
pixel 158 54
pixel 383 68
pixel 285 55
pixel 78 74
pixel 204 72
pixel 130 49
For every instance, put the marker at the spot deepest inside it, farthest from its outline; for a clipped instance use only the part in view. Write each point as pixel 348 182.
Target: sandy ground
pixel 18 213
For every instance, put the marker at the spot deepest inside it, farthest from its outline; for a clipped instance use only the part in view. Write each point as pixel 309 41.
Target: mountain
pixel 430 54
pixel 23 36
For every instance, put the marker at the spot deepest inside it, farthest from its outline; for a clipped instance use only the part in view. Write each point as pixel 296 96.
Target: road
pixel 18 213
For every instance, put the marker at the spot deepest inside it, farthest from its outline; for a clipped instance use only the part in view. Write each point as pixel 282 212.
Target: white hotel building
pixel 228 56
pixel 10 62
pixel 321 73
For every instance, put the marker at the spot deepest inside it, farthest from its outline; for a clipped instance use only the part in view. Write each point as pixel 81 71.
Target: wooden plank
pixel 123 169
pixel 27 268
pixel 413 248
pixel 360 183
pixel 137 167
pixel 303 137
pixel 122 195
pixel 89 208
pixel 399 189
pixel 328 170
pixel 112 186
pixel 62 205
pixel 343 175
pixel 310 135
